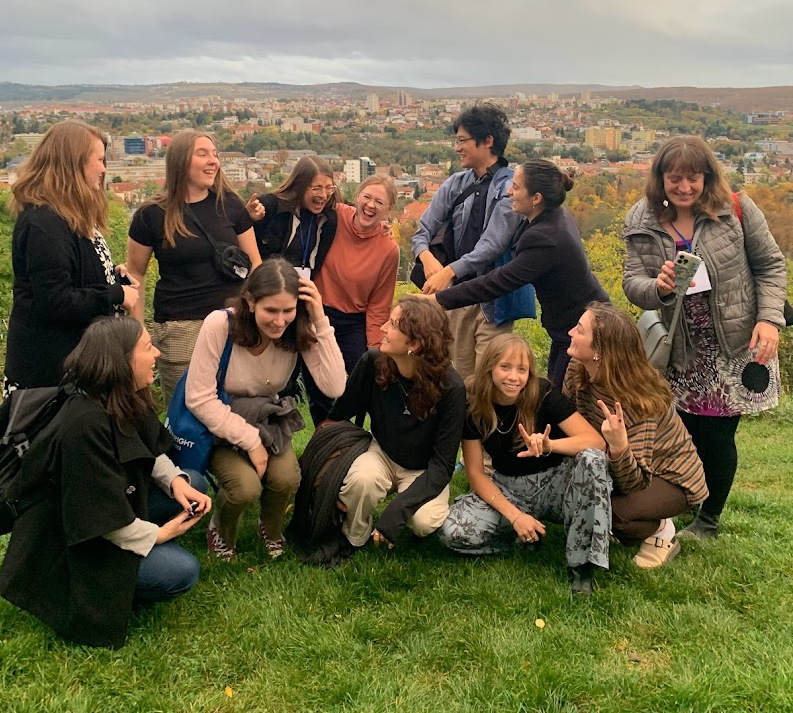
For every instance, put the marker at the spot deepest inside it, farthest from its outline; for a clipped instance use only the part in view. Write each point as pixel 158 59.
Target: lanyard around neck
pixel 305 240
pixel 680 235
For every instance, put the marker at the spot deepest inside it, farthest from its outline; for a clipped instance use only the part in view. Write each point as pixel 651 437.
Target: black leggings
pixel 714 438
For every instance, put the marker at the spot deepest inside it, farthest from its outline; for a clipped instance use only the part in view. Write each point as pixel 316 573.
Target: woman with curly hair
pixel 548 464
pixel 416 404
pixel 196 199
pixel 655 468
pixel 724 352
pixel 63 273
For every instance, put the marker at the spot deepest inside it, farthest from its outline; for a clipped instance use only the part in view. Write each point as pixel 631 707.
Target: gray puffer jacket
pixel 745 266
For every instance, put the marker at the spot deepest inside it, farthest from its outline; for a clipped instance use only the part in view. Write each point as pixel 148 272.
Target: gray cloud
pixel 432 43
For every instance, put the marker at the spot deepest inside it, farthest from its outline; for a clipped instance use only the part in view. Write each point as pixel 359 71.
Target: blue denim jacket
pixel 500 224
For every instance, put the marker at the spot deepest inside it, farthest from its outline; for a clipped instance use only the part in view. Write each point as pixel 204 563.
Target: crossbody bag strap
pixel 467 191
pixel 201 229
pixel 679 301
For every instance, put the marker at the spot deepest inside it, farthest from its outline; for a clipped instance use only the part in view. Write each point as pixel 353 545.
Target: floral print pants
pixel 576 494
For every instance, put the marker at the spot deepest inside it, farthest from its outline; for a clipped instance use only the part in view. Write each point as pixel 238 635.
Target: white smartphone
pixel 686 265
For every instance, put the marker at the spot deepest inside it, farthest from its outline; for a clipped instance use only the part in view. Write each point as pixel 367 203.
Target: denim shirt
pixel 500 224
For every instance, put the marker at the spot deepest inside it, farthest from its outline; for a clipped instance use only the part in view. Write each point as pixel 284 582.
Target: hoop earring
pixel 596 358
pixel 410 352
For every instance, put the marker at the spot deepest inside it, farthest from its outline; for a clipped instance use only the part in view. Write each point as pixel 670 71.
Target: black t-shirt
pixel 189 286
pixel 554 408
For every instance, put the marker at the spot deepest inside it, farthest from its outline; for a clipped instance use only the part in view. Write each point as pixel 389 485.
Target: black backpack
pixel 23 415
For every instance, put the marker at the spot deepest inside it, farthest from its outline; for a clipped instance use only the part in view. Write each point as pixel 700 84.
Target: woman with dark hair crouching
pixel 104 537
pixel 655 468
pixel 416 403
pixel 277 317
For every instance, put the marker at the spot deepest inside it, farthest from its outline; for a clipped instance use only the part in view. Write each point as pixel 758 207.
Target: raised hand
pixel 537 444
pixel 613 429
pixel 254 207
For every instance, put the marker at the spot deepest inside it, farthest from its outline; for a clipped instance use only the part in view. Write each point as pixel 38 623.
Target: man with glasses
pixel 483 224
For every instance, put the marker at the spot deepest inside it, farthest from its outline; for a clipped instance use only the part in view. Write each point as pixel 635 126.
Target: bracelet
pixel 550 449
pixel 517 518
pixel 492 500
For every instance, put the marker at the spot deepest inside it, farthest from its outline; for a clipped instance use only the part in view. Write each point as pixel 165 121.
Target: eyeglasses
pixel 319 190
pixel 460 142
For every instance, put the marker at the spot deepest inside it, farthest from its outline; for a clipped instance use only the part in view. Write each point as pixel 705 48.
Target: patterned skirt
pixel 713 385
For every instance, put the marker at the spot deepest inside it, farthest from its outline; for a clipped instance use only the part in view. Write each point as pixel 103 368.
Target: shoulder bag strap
pixel 225 357
pixel 188 211
pixel 679 301
pixel 467 191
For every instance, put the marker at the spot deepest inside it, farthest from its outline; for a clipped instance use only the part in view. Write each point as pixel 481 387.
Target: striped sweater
pixel 661 448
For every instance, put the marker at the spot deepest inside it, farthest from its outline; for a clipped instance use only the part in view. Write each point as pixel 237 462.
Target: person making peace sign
pixel 656 471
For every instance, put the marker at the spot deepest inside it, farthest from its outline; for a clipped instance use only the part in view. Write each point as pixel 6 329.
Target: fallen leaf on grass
pixel 633 657
pixel 227 690
pixel 250 570
pixel 539 623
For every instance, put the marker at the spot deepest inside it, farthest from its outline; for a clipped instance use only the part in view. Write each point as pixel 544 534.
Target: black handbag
pixel 231 261
pixel 442 243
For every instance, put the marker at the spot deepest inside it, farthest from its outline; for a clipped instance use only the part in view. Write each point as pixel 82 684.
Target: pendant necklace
pixel 509 430
pixel 406 411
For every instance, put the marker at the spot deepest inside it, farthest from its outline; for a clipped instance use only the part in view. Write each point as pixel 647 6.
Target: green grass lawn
pixel 420 629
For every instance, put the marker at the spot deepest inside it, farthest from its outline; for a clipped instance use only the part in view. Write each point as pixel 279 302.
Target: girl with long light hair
pixel 656 472
pixel 64 276
pixel 548 465
pixel 196 198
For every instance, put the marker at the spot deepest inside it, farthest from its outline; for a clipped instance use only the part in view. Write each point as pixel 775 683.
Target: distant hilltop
pixel 744 99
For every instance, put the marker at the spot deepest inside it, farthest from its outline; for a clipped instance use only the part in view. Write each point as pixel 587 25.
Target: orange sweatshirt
pixel 359 273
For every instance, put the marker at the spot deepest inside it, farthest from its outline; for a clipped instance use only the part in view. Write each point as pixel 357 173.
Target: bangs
pixel 685 159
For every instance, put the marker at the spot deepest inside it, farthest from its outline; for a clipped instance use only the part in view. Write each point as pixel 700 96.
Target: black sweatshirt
pixel 429 445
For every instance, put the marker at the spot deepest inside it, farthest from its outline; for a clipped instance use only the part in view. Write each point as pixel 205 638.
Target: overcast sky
pixel 429 43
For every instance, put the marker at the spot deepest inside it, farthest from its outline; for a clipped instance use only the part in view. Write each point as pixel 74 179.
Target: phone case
pixel 686 265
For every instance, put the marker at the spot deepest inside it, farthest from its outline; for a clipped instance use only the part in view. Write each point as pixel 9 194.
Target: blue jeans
pixel 168 570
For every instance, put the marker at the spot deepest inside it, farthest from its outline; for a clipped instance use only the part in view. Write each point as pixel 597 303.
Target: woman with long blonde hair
pixel 64 276
pixel 548 465
pixel 197 199
pixel 656 472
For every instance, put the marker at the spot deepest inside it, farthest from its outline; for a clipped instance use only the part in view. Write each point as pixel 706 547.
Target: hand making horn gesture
pixel 613 429
pixel 537 444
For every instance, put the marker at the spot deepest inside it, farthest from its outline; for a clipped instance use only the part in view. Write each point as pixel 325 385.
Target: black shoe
pixel 581 580
pixel 331 553
pixel 702 527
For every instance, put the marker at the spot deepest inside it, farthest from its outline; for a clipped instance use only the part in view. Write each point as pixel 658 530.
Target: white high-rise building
pixel 372 103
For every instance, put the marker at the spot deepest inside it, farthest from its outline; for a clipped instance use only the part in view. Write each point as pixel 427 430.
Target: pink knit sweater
pixel 249 375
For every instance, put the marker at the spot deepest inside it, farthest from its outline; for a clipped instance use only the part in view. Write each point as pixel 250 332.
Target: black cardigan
pixel 550 255
pixel 59 288
pixel 273 231
pixel 59 566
